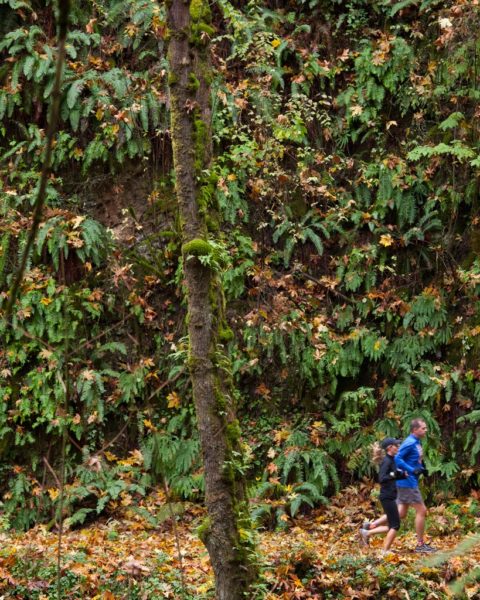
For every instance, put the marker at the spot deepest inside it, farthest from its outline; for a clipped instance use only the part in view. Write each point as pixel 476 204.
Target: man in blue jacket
pixel 409 458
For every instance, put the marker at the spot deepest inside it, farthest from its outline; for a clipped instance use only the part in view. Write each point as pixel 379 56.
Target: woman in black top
pixel 387 476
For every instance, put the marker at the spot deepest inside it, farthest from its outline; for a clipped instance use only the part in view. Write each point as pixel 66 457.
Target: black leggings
pixel 391 510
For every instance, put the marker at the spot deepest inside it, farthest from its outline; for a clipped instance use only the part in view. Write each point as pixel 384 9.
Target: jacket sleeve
pixel 387 471
pixel 402 456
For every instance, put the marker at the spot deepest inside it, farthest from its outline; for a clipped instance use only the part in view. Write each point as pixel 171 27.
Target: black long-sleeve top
pixel 387 477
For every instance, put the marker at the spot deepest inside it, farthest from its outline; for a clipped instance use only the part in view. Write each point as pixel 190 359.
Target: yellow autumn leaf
pixel 88 374
pixel 131 29
pixel 204 588
pixel 386 240
pixel 281 435
pixel 53 493
pixel 93 418
pixel 24 313
pixel 136 457
pixel 356 110
pixel 90 26
pixel 126 499
pixel 76 221
pixel 149 425
pixel 174 400
pixel 46 301
pixel 156 22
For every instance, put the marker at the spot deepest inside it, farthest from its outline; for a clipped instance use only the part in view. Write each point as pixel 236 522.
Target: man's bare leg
pixel 420 514
pixel 402 510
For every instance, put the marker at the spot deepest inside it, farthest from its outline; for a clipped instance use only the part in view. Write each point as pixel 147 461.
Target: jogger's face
pixel 421 430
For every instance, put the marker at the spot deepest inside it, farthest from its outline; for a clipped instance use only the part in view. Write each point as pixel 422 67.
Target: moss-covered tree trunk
pixel 225 532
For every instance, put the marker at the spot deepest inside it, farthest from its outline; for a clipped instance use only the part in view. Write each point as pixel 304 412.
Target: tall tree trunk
pixel 226 531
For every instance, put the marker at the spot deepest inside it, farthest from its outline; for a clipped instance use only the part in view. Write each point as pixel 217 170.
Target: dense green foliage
pixel 346 169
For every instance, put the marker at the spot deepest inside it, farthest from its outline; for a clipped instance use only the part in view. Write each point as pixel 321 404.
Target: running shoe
pixel 363 537
pixel 425 548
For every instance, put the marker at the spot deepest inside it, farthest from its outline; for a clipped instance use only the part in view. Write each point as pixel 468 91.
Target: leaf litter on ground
pixel 134 555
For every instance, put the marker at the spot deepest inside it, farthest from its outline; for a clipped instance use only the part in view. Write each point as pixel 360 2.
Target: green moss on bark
pixel 225 334
pixel 212 224
pixel 203 529
pixel 220 400
pixel 201 28
pixel 233 432
pixel 200 11
pixel 200 133
pixel 197 247
pixel 193 83
pixel 172 79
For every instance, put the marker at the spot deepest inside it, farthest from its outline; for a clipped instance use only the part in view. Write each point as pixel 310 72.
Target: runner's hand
pixel 420 471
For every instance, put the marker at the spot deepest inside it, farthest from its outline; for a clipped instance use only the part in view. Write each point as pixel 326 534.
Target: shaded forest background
pixel 345 168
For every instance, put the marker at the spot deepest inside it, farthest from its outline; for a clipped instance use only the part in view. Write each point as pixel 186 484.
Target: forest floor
pixel 127 556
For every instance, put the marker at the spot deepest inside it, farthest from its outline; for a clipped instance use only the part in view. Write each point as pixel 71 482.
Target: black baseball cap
pixel 389 441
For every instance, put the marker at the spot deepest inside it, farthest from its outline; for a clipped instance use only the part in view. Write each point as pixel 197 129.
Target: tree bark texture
pixel 225 532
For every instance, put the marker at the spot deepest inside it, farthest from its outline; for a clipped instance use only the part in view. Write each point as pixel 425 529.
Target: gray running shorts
pixel 409 496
